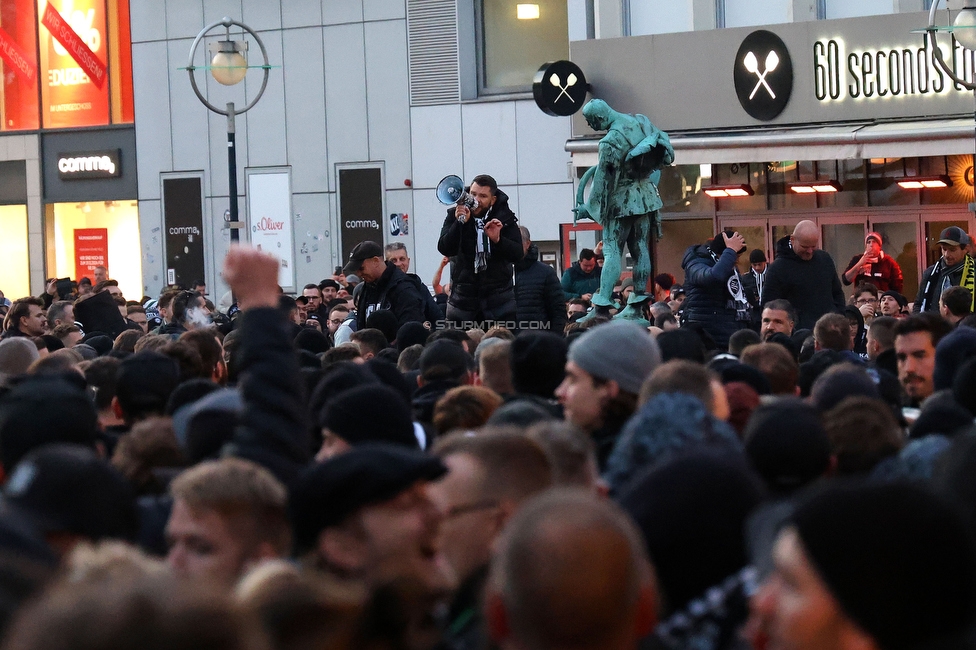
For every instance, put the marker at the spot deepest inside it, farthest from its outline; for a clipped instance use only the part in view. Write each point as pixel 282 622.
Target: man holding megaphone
pixel 481 233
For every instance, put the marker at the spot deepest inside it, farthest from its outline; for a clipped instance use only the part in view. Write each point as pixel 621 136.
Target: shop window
pixel 850 175
pixel 120 220
pixel 77 89
pixel 746 13
pixel 681 188
pixel 753 174
pixel 780 175
pixel 515 38
pixel 18 34
pixel 15 270
pixel 848 9
pixel 883 188
pixel 959 169
pixel 679 234
pixel 843 241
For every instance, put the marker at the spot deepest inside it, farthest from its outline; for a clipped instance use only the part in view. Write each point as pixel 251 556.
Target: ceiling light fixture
pixel 527 11
pixel 816 187
pixel 924 182
pixel 728 191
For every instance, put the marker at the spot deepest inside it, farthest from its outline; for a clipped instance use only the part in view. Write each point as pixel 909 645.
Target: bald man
pixel 804 275
pixel 571 571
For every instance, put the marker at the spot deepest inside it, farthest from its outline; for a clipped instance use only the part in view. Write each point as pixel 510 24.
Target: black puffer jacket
pixel 457 240
pixel 393 291
pixel 811 286
pixel 707 298
pixel 538 294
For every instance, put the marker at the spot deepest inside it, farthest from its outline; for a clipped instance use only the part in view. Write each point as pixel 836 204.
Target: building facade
pixel 370 103
pixel 67 144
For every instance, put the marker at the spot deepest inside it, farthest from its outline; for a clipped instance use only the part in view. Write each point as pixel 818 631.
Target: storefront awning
pixel 853 141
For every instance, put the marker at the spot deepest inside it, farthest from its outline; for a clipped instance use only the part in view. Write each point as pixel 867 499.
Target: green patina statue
pixel 624 198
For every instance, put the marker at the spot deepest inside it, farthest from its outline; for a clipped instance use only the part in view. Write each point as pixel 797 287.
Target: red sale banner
pixel 73 88
pixel 91 250
pixel 75 45
pixel 17 58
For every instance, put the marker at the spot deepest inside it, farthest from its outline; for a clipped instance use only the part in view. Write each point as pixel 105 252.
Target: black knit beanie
pixel 897 557
pixel 370 413
pixel 538 363
pixel 787 445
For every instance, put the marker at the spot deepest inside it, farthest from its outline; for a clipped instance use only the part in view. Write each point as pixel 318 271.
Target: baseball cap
pixel 68 488
pixel 326 493
pixel 875 236
pixel 363 251
pixel 954 236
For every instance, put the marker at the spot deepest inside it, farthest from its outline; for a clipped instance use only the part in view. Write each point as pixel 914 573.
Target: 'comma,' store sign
pixel 90 164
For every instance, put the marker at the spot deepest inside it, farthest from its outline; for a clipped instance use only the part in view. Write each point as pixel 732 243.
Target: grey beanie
pixel 620 350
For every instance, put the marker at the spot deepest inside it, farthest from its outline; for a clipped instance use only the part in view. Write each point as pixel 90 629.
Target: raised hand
pixel 253 277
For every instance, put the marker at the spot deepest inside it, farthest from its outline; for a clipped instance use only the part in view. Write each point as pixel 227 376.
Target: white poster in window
pixel 269 219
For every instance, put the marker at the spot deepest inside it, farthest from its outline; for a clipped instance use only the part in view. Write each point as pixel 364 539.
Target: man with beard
pixel 915 341
pixel 485 242
pixel 955 268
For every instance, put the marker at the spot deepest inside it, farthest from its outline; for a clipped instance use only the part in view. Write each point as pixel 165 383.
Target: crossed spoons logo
pixel 763 75
pixel 559 88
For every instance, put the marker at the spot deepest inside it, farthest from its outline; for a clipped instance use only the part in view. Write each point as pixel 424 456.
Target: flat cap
pixel 327 493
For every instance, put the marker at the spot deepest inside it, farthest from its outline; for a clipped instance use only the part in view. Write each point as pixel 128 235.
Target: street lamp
pixel 963 28
pixel 228 67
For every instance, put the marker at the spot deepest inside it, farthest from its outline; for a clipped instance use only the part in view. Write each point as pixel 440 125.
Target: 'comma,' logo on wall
pixel 89 165
pixel 559 88
pixel 763 75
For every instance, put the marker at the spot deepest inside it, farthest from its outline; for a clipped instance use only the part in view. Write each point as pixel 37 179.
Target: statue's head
pixel 597 113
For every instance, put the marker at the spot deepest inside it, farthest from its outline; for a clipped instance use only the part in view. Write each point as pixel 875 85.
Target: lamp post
pixel 228 67
pixel 963 29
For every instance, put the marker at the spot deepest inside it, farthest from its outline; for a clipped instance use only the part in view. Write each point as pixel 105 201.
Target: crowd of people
pixel 770 464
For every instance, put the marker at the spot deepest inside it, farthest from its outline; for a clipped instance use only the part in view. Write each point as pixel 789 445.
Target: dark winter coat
pixel 273 432
pixel 707 298
pixel 538 294
pixel 393 291
pixel 812 287
pixel 937 273
pixel 576 281
pixel 492 288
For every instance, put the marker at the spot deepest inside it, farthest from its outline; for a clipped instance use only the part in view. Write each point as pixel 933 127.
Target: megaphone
pixel 450 191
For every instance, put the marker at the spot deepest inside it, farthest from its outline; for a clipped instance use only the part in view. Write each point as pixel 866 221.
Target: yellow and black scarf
pixel 968 280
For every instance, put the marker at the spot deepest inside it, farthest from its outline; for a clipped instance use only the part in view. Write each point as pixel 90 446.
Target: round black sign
pixel 763 75
pixel 559 88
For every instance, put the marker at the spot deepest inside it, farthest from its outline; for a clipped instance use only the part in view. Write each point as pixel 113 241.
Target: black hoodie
pixel 812 287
